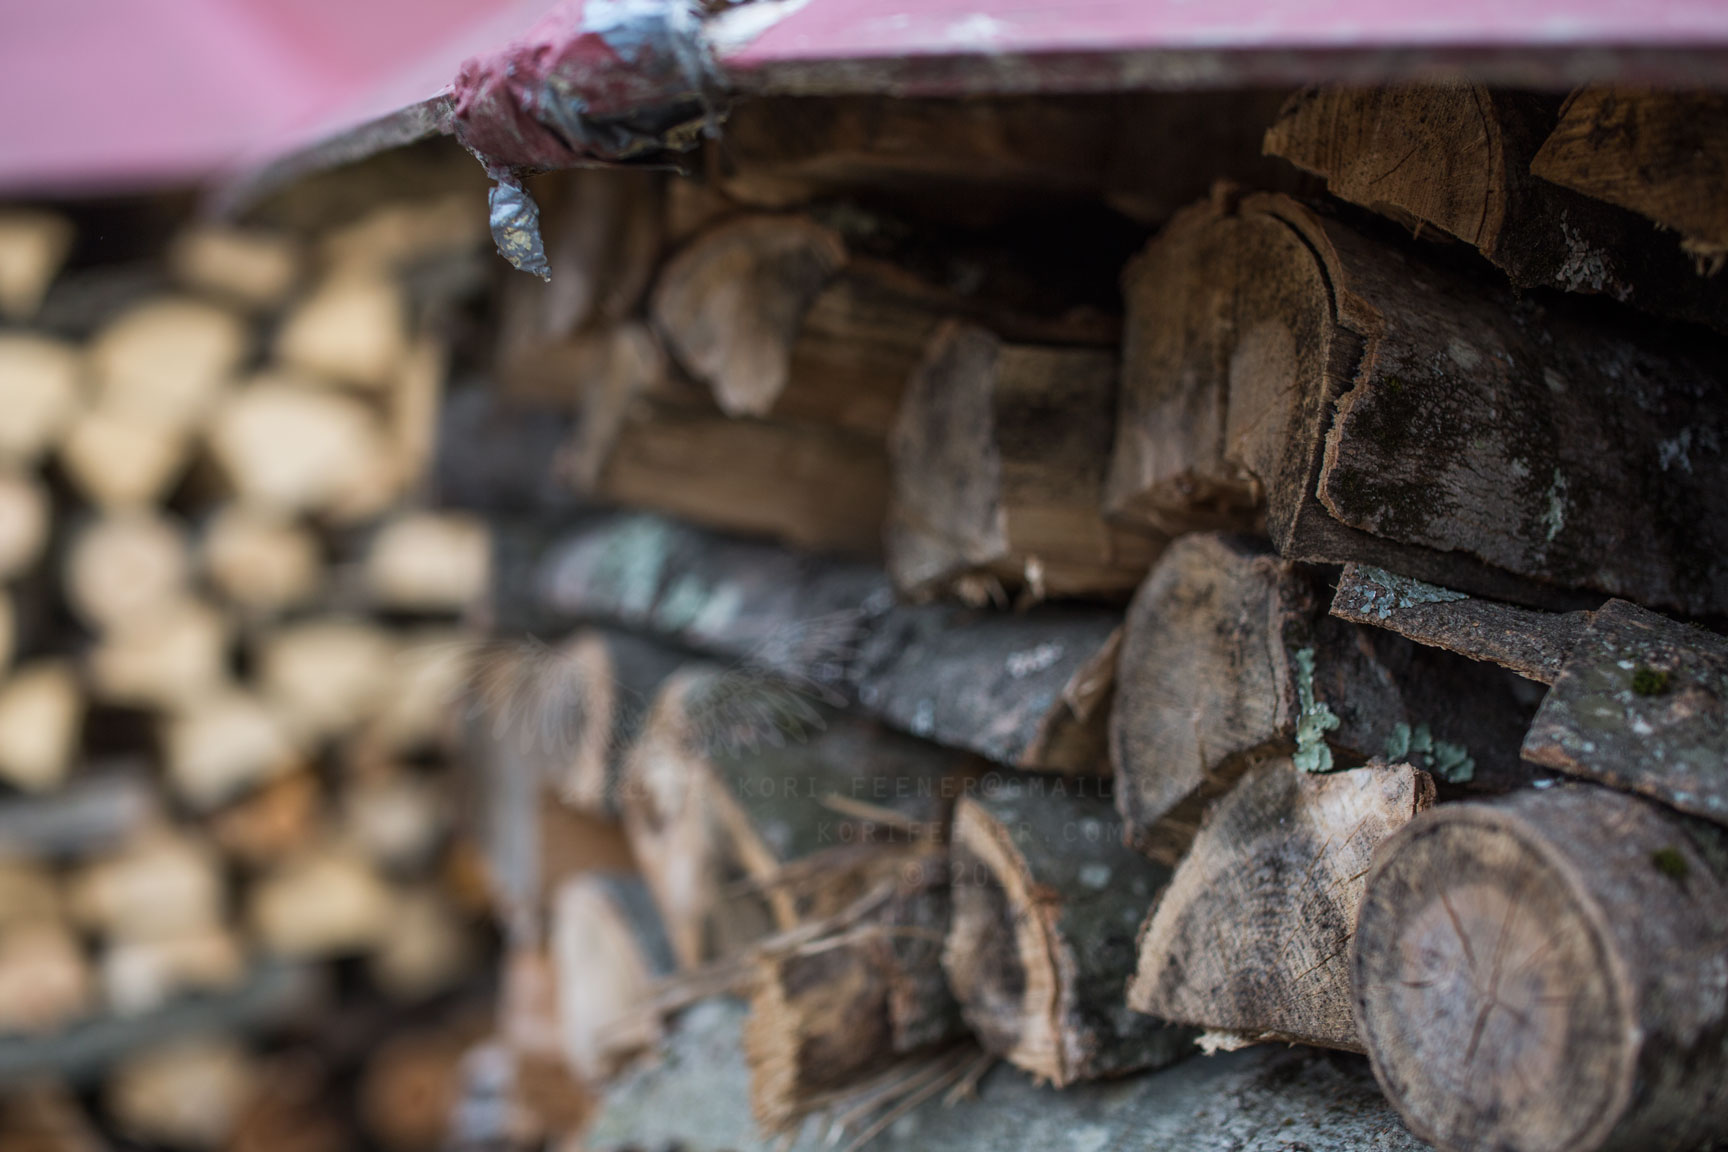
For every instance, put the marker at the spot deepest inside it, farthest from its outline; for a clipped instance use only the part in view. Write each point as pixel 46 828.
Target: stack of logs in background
pixel 1011 624
pixel 232 911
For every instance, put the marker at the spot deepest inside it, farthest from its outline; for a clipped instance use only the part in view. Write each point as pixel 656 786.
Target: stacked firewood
pixel 234 635
pixel 981 666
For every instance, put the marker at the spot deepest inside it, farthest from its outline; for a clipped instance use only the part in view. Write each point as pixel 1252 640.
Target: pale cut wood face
pixel 1487 995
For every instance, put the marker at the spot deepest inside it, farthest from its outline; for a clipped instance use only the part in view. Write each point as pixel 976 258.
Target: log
pixel 125 566
pixel 1436 427
pixel 175 656
pixel 92 813
pixel 119 462
pixel 41 384
pixel 813 487
pixel 326 901
pixel 429 947
pixel 997 461
pixel 1252 936
pixel 413 408
pixel 45 981
pixel 604 681
pixel 291 1111
pixel 1260 1100
pixel 1228 656
pixel 402 231
pixel 140 976
pixel 223 744
pixel 282 816
pixel 409 1089
pixel 352 328
pixel 46 1117
pixel 1464 159
pixel 1532 973
pixel 33 243
pixel 261 560
pixel 753 807
pixel 609 948
pixel 167 360
pixel 417 711
pixel 1530 642
pixel 186 1095
pixel 287 446
pixel 1656 152
pixel 24 526
pixel 165 884
pixel 396 817
pixel 831 1011
pixel 324 676
pixel 730 303
pixel 41 709
pixel 1046 903
pixel 1638 706
pixel 251 267
pixel 29 894
pixel 428 562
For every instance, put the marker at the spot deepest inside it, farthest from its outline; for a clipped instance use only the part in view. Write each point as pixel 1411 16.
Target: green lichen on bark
pixel 1383 592
pixel 1451 762
pixel 1316 718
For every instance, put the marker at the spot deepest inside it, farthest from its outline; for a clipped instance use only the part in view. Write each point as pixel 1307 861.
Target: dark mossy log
pixel 1468 160
pixel 1533 643
pixel 1395 413
pixel 997 463
pixel 813 487
pixel 273 994
pixel 1252 936
pixel 754 807
pixel 1662 153
pixel 605 680
pixel 1260 1100
pixel 1029 690
pixel 1641 705
pixel 831 1011
pixel 1544 972
pixel 1228 656
pixel 1047 901
pixel 609 950
pixel 88 815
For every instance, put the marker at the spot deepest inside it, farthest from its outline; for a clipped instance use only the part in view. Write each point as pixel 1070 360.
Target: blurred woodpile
pixel 234 910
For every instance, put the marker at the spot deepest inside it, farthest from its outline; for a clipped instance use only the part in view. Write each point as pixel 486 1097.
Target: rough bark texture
pixel 1459 158
pixel 1544 973
pixel 1262 1100
pixel 1252 935
pixel 730 304
pixel 828 1013
pixel 1662 154
pixel 1641 705
pixel 1468 446
pixel 998 468
pixel 1046 903
pixel 1029 690
pixel 1530 642
pixel 608 949
pixel 1227 656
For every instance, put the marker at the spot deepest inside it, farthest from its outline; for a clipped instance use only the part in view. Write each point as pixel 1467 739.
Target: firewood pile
pixel 1046 588
pixel 233 914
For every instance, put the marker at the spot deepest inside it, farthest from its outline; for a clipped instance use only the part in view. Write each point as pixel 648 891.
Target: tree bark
pixel 997 462
pixel 1657 152
pixel 606 680
pixel 1530 642
pixel 1252 935
pixel 1046 903
pixel 1639 706
pixel 609 948
pixel 1538 973
pixel 827 1013
pixel 1228 657
pixel 1466 159
pixel 1412 418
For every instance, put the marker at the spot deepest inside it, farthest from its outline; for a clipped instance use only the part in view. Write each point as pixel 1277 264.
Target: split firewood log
pixel 141 975
pixel 33 244
pixel 1534 973
pixel 1469 161
pixel 219 745
pixel 428 562
pixel 1386 410
pixel 24 523
pixel 162 885
pixel 175 655
pixel 119 461
pixel 167 360
pixel 261 560
pixel 326 901
pixel 324 676
pixel 352 328
pixel 41 711
pixel 41 385
pixel 251 267
pixel 1047 901
pixel 185 1094
pixel 122 567
pixel 45 979
pixel 609 950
